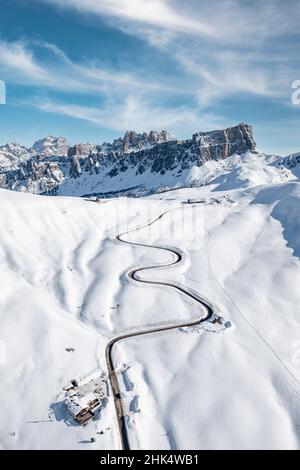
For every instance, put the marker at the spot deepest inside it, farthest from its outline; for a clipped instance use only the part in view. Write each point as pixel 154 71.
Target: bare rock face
pixel 132 140
pixel 75 169
pixel 156 153
pixel 82 150
pixel 155 137
pixel 218 145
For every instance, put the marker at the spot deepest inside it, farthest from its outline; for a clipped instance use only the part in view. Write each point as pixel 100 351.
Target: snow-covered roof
pixel 76 403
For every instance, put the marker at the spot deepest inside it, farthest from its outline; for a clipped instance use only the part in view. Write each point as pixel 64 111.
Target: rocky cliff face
pixel 221 144
pixel 147 161
pixel 81 150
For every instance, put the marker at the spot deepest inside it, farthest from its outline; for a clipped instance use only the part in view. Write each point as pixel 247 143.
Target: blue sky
pixel 91 69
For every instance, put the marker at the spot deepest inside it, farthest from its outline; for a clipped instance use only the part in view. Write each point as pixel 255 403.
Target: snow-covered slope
pixel 236 171
pixel 63 286
pixel 238 389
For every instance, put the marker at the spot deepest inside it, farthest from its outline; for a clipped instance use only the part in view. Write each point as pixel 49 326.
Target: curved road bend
pixel 132 274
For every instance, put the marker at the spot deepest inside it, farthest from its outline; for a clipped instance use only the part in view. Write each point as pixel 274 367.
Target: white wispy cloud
pixel 19 65
pixel 251 51
pixel 226 74
pixel 223 48
pixel 221 19
pixel 137 113
pixel 14 58
pixel 155 12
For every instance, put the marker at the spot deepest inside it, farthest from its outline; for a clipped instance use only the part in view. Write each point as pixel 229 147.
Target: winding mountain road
pixel 132 274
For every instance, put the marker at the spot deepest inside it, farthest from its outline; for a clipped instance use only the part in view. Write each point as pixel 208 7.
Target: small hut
pixel 83 397
pixel 82 407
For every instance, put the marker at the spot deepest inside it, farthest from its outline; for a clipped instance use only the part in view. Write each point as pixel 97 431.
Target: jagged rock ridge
pixel 147 161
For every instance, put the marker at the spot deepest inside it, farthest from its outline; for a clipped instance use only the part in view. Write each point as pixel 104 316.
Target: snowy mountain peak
pixel 14 148
pixel 50 146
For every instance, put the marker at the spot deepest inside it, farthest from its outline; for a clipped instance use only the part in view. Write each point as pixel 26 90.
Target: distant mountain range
pixel 11 154
pixel 135 164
